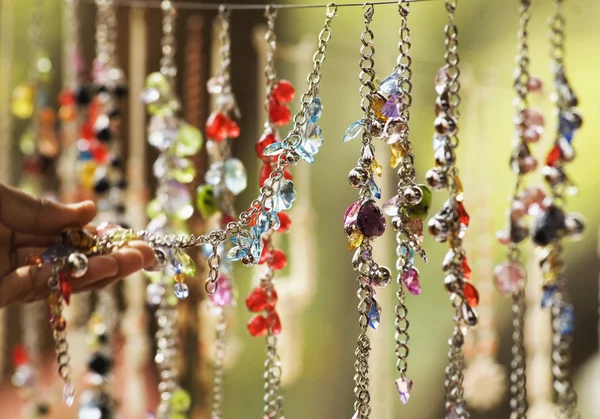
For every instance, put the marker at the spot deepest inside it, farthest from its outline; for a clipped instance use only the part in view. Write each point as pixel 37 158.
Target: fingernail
pixel 82 204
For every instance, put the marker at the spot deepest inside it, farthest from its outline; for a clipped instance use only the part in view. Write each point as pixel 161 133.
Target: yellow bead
pixel 23 103
pixel 376 168
pixel 459 185
pixel 355 239
pixel 397 154
pixel 179 277
pixel 377 102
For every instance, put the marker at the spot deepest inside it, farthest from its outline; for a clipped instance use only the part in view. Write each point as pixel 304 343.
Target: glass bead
pixel 374 188
pixel 549 295
pixel 206 201
pixel 23 101
pixel 355 239
pixel 441 80
pixel 404 386
pixel 389 85
pixel 421 209
pixel 374 313
pixel 548 226
pixel 188 141
pixel 181 290
pixel 378 101
pixel 351 214
pixel 265 140
pixel 283 91
pixel 313 138
pixel 178 278
pixel 285 195
pixel 278 260
pixel 274 149
pixel 279 114
pixel 180 400
pixel 274 322
pixel 258 326
pixel 390 207
pixel 353 130
pixel 284 222
pixel 471 294
pixel 509 277
pixel 377 168
pixel 410 278
pixel 56 253
pixel 397 154
pixel 391 109
pixel 236 179
pixel 406 251
pixel 370 220
pixel 223 295
pixel 566 320
pixel 315 110
pixel 158 81
pixel 181 263
pixel 68 393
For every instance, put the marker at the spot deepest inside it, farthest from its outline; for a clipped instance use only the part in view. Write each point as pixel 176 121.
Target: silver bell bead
pixel 77 264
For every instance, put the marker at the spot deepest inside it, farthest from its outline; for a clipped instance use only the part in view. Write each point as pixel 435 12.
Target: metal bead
pixel 248 260
pixel 444 156
pixel 468 314
pixel 441 125
pixel 452 126
pixel 161 260
pixel 397 223
pixel 413 195
pixel 452 284
pixel 575 225
pixel 438 228
pixel 291 158
pixel 368 155
pixel 78 264
pixel 554 176
pixel 436 179
pixel 358 177
pixel 442 103
pixel 382 277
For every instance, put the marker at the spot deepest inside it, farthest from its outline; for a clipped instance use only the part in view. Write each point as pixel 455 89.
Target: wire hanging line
pixel 188 5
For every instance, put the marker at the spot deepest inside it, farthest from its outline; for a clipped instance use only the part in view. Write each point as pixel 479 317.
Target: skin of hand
pixel 29 225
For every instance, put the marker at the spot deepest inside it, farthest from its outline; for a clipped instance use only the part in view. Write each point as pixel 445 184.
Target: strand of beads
pixel 552 224
pixel 411 203
pixel 363 220
pixel 451 222
pixel 168 212
pixel 225 178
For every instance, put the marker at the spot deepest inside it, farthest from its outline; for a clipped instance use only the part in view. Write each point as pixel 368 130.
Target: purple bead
pixel 56 253
pixel 404 386
pixel 370 220
pixel 224 294
pixel 391 206
pixel 351 214
pixel 411 280
pixel 390 109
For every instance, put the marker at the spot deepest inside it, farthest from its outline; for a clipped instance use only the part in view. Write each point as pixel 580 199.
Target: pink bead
pixel 531 119
pixel 529 164
pixel 532 195
pixel 518 210
pixel 532 135
pixel 503 237
pixel 224 294
pixel 534 84
pixel 509 277
pixel 411 280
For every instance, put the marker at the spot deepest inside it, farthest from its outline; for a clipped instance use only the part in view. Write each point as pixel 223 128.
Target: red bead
pixel 466 268
pixel 59 324
pixel 232 128
pixel 265 253
pixel 283 91
pixel 258 326
pixel 65 291
pixel 265 171
pixel 463 216
pixel 216 126
pixel 279 114
pixel 287 175
pixel 274 322
pixel 257 299
pixel 20 355
pixel 284 222
pixel 227 219
pixel 554 156
pixel 471 294
pixel 99 151
pixel 66 98
pixel 278 260
pixel 86 132
pixel 267 139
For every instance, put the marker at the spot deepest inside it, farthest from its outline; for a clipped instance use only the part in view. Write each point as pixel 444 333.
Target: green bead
pixel 159 82
pixel 421 209
pixel 180 400
pixel 122 236
pixel 27 142
pixel 184 173
pixel 153 209
pixel 186 264
pixel 188 140
pixel 206 201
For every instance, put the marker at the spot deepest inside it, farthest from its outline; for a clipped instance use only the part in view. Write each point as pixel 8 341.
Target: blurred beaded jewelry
pixel 451 222
pixel 552 224
pixel 225 178
pixel 263 298
pixel 363 220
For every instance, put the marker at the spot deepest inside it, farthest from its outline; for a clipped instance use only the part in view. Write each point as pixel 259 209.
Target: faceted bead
pixel 389 85
pixel 258 326
pixel 378 101
pixel 65 291
pixel 548 226
pixel 267 139
pixel 566 127
pixel 353 130
pixel 404 386
pixel 224 293
pixel 56 253
pixel 179 278
pixel 236 179
pixel 509 277
pixel 411 281
pixel 374 188
pixel 283 91
pixel 421 209
pixel 415 227
pixel 531 120
pixel 549 295
pixel 181 290
pixel 68 393
pixel 284 222
pixel 219 127
pixel 285 195
pixel 351 214
pixel 534 84
pixel 370 220
pixel 441 80
pixel 278 260
pixel 463 216
pixel 395 131
pixel 391 108
pixel 397 153
pixel 279 114
pixel 406 251
pixel 566 320
pixel 274 322
pixel 390 207
pixel 374 313
pixel 471 294
pixel 355 239
pixel 257 300
pixel 315 110
pixel 554 156
pixel 188 140
pixel 20 355
pixel 206 201
pixel 181 263
pixel 180 400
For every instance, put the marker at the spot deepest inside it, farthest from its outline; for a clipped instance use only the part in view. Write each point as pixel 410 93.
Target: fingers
pixel 29 283
pixel 25 214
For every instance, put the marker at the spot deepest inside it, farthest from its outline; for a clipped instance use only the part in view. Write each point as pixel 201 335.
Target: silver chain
pixel 167 61
pixel 271 41
pixel 220 346
pixel 518 383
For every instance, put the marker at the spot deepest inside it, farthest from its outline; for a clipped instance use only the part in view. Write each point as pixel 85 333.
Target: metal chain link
pixel 167 61
pixel 224 48
pixel 518 382
pixel 220 346
pixel 271 41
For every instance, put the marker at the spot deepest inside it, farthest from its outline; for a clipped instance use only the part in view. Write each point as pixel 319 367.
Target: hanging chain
pixel 224 48
pixel 167 61
pixel 273 408
pixel 220 346
pixel 271 41
pixel 518 383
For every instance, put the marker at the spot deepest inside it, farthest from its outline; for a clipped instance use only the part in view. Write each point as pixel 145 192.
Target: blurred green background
pixel 329 328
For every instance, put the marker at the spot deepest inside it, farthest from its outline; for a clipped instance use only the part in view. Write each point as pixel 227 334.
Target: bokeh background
pixel 326 328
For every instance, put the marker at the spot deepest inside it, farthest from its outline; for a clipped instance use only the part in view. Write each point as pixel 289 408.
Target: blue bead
pixel 549 295
pixel 181 290
pixel 274 149
pixel 353 130
pixel 286 195
pixel 256 247
pixel 406 251
pixel 374 188
pixel 566 320
pixel 315 110
pixel 374 314
pixel 56 253
pixel 566 128
pixel 389 85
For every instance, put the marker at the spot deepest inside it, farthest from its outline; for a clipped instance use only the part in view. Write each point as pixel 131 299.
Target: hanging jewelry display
pixel 553 224
pixel 363 220
pixel 263 298
pixel 510 276
pixel 451 222
pixel 175 140
pixel 225 178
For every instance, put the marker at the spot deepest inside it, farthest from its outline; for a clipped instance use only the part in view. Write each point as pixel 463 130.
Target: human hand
pixel 29 225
